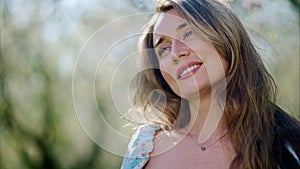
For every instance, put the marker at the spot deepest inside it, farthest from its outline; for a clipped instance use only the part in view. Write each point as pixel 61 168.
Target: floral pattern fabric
pixel 140 146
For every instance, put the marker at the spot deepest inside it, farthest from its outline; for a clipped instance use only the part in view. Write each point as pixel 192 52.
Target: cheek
pixel 169 74
pixel 224 64
pixel 168 78
pixel 216 67
pixel 166 69
pixel 171 82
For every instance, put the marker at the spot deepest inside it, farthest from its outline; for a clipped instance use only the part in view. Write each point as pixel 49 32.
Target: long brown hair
pixel 251 91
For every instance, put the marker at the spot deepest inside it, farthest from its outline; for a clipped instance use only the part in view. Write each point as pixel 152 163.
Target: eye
pixel 187 34
pixel 164 50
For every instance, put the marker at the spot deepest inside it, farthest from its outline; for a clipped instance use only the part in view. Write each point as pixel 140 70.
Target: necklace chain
pixel 202 147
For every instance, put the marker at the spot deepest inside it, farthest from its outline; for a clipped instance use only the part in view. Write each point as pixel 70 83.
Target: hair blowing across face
pixel 250 93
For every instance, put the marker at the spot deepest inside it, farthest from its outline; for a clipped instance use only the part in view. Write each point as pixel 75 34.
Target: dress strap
pixel 140 146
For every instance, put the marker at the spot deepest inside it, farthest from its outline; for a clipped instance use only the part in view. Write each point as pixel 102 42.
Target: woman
pixel 214 97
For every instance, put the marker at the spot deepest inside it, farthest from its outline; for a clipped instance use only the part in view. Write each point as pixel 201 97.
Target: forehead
pixel 167 24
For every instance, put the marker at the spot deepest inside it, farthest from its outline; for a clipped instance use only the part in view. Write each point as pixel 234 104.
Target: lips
pixel 188 69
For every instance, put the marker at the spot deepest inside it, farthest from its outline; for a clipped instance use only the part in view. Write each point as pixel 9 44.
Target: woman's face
pixel 190 65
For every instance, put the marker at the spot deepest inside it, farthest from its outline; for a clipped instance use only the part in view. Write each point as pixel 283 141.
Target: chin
pixel 193 91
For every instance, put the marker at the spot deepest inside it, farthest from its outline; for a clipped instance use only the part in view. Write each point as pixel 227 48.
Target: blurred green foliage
pixel 40 41
pixel 296 3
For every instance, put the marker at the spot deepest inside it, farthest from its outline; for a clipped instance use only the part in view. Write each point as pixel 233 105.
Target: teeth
pixel 189 69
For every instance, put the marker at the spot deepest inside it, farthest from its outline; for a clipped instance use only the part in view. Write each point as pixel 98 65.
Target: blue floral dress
pixel 140 146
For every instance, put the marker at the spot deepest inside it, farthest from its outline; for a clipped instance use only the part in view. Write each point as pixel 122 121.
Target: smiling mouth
pixel 189 71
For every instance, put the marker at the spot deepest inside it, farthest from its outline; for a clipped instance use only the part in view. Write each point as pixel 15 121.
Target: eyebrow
pixel 161 39
pixel 181 26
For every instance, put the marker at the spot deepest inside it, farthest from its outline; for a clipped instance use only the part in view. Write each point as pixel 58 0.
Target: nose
pixel 179 50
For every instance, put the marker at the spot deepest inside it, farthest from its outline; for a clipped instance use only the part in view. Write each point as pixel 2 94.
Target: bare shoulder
pixel 165 146
pixel 173 150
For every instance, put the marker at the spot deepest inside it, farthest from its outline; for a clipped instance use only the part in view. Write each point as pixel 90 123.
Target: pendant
pixel 202 148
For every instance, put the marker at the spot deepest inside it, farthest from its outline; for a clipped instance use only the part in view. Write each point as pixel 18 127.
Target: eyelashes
pixel 165 49
pixel 187 35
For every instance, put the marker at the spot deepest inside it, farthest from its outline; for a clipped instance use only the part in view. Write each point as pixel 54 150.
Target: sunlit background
pixel 41 43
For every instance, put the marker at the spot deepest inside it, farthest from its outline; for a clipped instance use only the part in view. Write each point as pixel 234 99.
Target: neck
pixel 206 114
